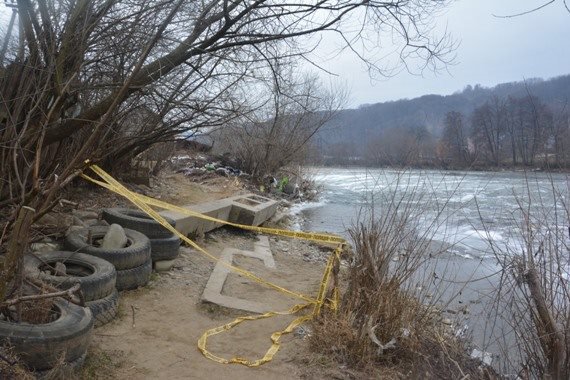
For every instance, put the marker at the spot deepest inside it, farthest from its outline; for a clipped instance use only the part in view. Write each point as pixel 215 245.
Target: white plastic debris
pixel 485 357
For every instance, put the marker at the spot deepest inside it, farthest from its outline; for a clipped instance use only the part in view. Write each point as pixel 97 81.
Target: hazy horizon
pixel 492 50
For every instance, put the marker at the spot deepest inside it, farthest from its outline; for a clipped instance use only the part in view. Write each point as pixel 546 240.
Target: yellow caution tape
pixel 325 282
pixel 135 198
pixel 311 236
pixel 144 204
pixel 274 337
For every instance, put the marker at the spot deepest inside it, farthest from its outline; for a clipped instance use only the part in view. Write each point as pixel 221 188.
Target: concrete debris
pixel 114 238
pixel 60 269
pixel 163 265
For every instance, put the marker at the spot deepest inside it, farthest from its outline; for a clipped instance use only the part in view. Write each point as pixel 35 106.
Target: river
pixel 480 217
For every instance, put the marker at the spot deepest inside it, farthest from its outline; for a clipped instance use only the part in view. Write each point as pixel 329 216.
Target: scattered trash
pixel 302 332
pixel 460 333
pixel 485 357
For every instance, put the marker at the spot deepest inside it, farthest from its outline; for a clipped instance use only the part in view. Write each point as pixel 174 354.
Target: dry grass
pixel 383 326
pixel 60 371
pixel 424 347
pixel 33 311
pixel 37 311
pixel 11 368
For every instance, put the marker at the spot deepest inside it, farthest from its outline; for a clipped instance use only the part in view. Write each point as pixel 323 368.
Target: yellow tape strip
pixel 274 337
pixel 144 202
pixel 325 282
pixel 115 186
pixel 317 237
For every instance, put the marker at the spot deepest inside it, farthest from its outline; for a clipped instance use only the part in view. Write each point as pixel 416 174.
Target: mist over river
pixel 479 217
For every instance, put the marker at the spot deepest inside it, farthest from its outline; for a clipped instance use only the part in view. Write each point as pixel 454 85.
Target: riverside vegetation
pixel 111 80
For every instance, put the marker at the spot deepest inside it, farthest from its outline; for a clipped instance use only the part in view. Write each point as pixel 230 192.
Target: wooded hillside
pixel 384 132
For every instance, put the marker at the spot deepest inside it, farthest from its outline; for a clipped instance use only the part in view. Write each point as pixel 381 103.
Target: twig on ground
pixel 69 293
pixel 133 309
pixel 374 338
pixel 67 202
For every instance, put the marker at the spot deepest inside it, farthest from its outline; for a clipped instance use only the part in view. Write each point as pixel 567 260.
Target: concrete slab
pixel 252 210
pixel 213 291
pixel 248 209
pixel 188 225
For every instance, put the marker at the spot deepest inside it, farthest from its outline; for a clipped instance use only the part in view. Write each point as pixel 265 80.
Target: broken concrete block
pixel 114 238
pixel 163 265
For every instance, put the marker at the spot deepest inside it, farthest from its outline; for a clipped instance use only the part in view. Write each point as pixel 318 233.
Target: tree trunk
pixel 555 338
pixel 11 267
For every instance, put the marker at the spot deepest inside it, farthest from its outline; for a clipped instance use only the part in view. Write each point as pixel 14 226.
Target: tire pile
pixel 96 277
pixel 61 342
pixel 164 244
pixel 133 263
pixel 100 273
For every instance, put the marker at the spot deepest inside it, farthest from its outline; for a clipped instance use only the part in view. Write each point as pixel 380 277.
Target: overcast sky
pixel 492 50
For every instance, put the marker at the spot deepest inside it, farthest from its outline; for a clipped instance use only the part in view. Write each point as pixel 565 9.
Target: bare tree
pixel 488 126
pixel 535 9
pixel 529 124
pixel 277 131
pixel 561 136
pixel 85 69
pixel 455 137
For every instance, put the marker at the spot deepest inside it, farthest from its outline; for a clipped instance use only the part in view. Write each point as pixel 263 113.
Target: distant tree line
pixel 505 131
pixel 510 131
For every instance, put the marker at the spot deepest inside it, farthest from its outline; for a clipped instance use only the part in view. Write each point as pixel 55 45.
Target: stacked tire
pixel 164 244
pixel 96 277
pixel 61 342
pixel 132 263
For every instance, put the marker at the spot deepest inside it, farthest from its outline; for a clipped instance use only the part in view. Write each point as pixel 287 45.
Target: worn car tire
pixel 96 276
pixel 41 346
pixel 104 310
pixel 164 249
pixel 135 254
pixel 132 278
pixel 137 220
pixel 67 370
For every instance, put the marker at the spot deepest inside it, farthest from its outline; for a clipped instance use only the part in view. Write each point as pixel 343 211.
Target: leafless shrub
pixel 277 132
pixel 533 296
pixel 105 80
pixel 384 318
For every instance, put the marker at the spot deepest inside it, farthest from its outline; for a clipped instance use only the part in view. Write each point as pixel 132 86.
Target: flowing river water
pixel 479 217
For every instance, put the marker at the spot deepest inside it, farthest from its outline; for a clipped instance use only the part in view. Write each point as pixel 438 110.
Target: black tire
pixel 137 220
pixel 129 279
pixel 135 254
pixel 104 310
pixel 164 249
pixel 66 371
pixel 41 346
pixel 96 276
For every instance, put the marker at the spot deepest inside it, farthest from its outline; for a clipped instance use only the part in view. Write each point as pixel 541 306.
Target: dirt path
pixel 156 333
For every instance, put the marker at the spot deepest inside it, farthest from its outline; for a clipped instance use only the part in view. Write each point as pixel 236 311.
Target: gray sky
pixel 492 50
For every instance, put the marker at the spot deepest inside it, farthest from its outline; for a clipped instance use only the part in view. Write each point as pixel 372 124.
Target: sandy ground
pixel 156 332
